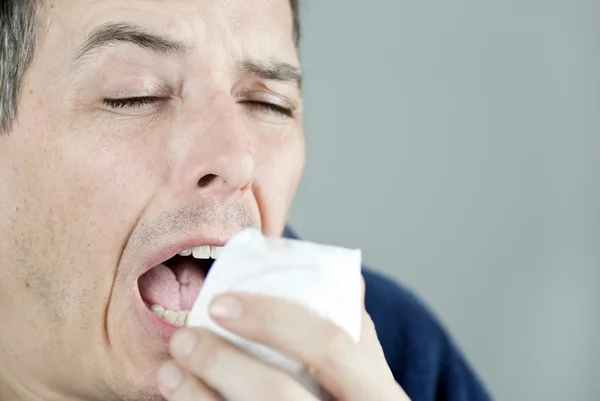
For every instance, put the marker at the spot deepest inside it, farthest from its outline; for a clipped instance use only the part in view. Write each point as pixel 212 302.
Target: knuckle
pixel 191 389
pixel 336 349
pixel 268 324
pixel 284 390
pixel 205 355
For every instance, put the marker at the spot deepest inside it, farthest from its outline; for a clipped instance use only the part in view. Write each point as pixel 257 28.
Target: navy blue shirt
pixel 419 352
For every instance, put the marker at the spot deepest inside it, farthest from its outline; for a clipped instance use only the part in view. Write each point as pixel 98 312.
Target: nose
pixel 216 155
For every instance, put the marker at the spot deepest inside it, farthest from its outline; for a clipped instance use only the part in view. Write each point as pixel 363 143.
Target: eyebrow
pixel 114 33
pixel 274 71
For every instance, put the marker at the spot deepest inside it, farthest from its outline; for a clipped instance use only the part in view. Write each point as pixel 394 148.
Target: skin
pixel 88 193
pixel 205 365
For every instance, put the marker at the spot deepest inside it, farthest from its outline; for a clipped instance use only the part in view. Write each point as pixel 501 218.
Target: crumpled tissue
pixel 325 279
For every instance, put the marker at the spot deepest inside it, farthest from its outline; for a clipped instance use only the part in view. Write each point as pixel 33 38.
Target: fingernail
pixel 170 376
pixel 226 307
pixel 183 343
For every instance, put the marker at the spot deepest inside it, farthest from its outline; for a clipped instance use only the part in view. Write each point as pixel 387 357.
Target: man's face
pixel 98 187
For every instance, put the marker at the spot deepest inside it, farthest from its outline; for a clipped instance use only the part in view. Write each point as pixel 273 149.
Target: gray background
pixel 456 143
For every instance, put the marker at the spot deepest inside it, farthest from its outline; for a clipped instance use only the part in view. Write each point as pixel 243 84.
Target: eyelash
pixel 139 102
pixel 132 102
pixel 271 108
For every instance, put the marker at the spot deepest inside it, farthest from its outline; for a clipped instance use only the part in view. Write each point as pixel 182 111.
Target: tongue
pixel 174 287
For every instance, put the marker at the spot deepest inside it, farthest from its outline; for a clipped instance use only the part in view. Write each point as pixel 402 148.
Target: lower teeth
pixel 176 318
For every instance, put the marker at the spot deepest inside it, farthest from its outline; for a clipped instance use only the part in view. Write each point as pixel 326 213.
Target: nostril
pixel 206 180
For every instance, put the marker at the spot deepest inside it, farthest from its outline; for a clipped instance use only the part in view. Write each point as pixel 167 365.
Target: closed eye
pixel 270 108
pixel 143 101
pixel 132 102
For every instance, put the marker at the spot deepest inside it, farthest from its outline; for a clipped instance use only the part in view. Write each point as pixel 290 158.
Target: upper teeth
pixel 203 252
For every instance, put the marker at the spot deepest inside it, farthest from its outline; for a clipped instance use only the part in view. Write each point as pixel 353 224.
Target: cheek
pixel 279 168
pixel 71 211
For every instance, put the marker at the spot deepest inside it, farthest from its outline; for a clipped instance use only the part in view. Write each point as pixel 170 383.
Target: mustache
pixel 216 216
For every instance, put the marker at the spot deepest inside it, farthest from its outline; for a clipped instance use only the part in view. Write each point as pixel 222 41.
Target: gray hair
pixel 17 43
pixel 18 23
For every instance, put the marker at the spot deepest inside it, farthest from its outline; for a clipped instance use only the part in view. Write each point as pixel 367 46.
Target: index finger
pixel 335 359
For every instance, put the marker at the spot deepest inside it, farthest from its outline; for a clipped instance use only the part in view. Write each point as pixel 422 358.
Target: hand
pixel 205 365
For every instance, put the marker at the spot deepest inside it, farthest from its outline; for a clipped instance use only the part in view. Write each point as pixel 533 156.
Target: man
pixel 135 130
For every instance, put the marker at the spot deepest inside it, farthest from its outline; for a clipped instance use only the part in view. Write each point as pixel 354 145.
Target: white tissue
pixel 324 279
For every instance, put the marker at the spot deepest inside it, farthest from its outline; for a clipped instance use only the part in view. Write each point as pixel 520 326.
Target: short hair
pixel 18 38
pixel 17 45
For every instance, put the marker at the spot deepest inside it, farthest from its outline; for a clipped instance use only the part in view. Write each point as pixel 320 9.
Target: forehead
pixel 236 23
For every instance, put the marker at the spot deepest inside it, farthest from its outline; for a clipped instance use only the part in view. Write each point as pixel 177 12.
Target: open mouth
pixel 170 289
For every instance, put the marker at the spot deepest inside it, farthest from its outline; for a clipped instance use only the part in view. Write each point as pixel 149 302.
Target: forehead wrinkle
pixel 120 32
